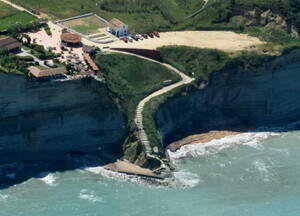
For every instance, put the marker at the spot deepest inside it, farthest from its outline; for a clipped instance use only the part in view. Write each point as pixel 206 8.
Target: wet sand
pixel 131 169
pixel 200 138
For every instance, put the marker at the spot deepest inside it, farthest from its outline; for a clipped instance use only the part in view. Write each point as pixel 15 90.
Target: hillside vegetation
pixel 10 16
pixel 141 15
pixel 130 79
pixel 166 15
pixel 200 63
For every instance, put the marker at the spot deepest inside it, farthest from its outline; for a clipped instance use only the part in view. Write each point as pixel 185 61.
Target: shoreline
pixel 200 138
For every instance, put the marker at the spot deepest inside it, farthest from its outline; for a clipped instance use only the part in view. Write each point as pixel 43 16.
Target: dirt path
pixel 19 7
pixel 198 11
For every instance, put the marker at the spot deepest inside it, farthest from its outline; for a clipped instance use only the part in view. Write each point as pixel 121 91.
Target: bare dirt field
pixel 223 40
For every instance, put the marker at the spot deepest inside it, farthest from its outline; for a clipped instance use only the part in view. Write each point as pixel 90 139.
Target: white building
pixel 117 28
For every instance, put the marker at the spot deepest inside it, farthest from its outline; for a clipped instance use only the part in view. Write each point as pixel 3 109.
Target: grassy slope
pixel 138 18
pixel 131 79
pixel 10 15
pixel 6 10
pixel 194 61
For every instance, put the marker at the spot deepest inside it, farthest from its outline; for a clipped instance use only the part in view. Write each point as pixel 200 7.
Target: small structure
pixel 88 49
pixel 167 82
pixel 46 74
pixel 117 28
pixel 90 62
pixel 10 43
pixel 71 39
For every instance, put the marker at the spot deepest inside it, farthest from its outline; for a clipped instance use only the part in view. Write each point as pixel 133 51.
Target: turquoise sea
pixel 251 174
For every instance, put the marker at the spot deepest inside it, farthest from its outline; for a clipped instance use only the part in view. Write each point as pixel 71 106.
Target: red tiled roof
pixel 71 38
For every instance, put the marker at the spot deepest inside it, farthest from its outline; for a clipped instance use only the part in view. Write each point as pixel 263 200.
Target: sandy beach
pixel 200 138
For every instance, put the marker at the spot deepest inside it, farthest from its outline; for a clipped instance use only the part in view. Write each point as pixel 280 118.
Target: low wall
pixel 152 54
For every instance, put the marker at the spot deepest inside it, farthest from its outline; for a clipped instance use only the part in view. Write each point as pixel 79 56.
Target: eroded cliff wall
pixel 236 98
pixel 44 120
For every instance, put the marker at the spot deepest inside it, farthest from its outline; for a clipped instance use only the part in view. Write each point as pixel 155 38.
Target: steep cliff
pixel 44 120
pixel 236 97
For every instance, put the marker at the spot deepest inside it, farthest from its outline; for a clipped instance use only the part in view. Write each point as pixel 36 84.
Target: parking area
pixel 223 40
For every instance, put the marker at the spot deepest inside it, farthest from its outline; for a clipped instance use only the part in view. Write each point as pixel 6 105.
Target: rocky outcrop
pixel 268 19
pixel 236 98
pixel 44 120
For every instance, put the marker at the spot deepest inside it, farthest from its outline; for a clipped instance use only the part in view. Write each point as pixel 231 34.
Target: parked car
pixel 145 36
pixel 150 35
pixel 156 34
pixel 135 37
pixel 124 39
pixel 129 39
pixel 140 37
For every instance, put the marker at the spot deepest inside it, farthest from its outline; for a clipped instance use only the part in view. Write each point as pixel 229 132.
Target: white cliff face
pixel 44 120
pixel 235 98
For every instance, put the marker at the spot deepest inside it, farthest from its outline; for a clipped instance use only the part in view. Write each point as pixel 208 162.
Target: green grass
pixel 6 10
pixel 21 17
pixel 87 25
pixel 131 79
pixel 195 62
pixel 142 16
pixel 25 48
pixel 41 67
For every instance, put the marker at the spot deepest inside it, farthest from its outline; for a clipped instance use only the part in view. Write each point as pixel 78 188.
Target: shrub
pixel 48 30
pixel 26 58
pixel 56 55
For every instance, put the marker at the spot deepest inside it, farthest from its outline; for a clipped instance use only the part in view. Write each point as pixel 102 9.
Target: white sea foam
pixel 181 179
pixel 115 175
pixel 48 178
pixel 89 195
pixel 3 197
pixel 185 179
pixel 215 146
pixel 264 170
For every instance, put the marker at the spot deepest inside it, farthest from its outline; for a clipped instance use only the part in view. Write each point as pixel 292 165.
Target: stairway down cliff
pixel 236 98
pixel 45 120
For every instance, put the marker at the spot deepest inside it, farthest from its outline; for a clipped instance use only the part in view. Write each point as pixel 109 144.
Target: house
pixel 45 74
pixel 117 28
pixel 10 43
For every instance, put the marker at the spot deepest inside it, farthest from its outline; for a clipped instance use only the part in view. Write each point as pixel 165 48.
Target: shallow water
pixel 248 174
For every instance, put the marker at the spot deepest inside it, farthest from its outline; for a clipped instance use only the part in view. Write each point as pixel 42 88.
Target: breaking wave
pixel 215 146
pixel 89 195
pixel 181 179
pixel 48 178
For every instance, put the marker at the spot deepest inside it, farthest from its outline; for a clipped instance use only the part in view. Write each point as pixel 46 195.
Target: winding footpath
pixel 198 11
pixel 139 111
